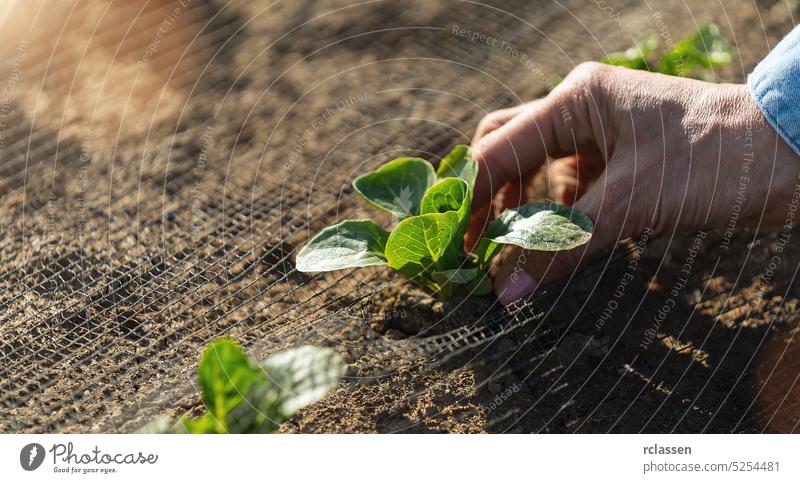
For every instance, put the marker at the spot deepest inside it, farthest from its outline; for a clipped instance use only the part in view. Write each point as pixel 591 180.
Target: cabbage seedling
pixel 427 244
pixel 244 397
pixel 695 56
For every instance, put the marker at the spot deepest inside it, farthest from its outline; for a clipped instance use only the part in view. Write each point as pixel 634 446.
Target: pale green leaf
pixel 398 186
pixel 292 378
pixel 352 243
pixel 304 375
pixel 541 226
pixel 244 398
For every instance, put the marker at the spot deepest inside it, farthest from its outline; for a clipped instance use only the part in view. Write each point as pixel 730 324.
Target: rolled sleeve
pixel 775 85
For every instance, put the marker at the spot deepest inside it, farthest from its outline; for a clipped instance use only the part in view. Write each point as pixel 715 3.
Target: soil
pixel 152 198
pixel 401 310
pixel 707 369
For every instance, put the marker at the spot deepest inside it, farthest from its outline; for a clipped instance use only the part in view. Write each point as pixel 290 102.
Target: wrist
pixel 775 167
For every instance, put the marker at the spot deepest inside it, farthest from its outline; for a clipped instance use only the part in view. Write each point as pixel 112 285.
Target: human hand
pixel 634 151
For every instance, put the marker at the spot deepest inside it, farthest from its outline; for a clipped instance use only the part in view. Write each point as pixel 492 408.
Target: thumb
pixel 609 207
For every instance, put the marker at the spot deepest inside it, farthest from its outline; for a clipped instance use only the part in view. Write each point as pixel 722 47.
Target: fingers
pixel 608 204
pixel 513 194
pixel 484 214
pixel 477 225
pixel 555 125
pixel 516 148
pixel 565 185
pixel 512 145
pixel 495 120
pixel 569 178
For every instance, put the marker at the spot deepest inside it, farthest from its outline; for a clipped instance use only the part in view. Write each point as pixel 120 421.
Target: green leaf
pixel 482 286
pixel 292 379
pixel 434 240
pixel 636 56
pixel 459 163
pixel 449 194
pixel 352 243
pixel 697 54
pixel 242 398
pixel 468 281
pixel 225 374
pixel 457 276
pixel 304 375
pixel 541 226
pixel 205 424
pixel 418 244
pixel 622 59
pixel 398 186
pixel 487 248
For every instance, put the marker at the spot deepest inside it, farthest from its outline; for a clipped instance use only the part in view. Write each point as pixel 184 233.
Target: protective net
pixel 162 162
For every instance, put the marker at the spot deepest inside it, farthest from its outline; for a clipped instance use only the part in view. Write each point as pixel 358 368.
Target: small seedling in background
pixel 695 56
pixel 243 397
pixel 427 244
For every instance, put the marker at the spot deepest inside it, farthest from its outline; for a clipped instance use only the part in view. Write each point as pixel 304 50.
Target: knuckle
pixel 587 76
pixel 590 69
pixel 485 126
pixel 487 122
pixel 586 99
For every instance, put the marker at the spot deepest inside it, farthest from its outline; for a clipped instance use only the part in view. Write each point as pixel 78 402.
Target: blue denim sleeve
pixel 775 85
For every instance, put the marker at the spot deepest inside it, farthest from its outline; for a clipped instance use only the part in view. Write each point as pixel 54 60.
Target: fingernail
pixel 516 286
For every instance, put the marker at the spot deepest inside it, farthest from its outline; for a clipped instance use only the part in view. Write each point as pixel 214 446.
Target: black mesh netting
pixel 161 163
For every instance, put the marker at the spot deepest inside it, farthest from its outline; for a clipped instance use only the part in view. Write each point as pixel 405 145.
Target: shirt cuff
pixel 775 86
